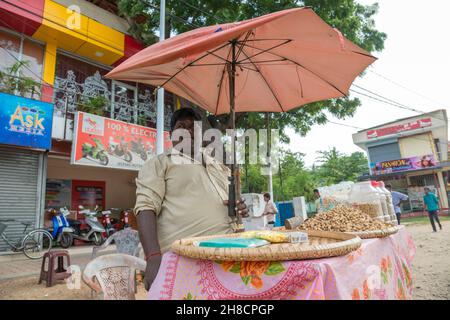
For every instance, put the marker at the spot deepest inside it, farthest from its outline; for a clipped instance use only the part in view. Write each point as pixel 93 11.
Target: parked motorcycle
pixel 93 233
pixel 125 221
pixel 139 148
pixel 95 151
pixel 61 231
pixel 107 223
pixel 119 149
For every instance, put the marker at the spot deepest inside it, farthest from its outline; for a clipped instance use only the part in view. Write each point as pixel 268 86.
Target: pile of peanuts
pixel 343 219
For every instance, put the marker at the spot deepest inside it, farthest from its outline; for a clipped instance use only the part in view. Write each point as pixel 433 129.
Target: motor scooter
pixel 93 233
pixel 61 230
pixel 107 223
pixel 119 149
pixel 94 150
pixel 125 221
pixel 139 148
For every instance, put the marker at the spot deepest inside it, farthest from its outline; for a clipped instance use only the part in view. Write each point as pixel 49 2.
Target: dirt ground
pixel 28 289
pixel 431 265
pixel 430 271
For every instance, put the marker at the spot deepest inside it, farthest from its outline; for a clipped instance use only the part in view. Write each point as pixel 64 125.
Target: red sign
pixel 88 194
pixel 104 142
pixel 422 123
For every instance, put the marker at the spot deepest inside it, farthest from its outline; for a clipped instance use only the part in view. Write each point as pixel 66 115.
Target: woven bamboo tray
pixel 321 245
pixel 376 233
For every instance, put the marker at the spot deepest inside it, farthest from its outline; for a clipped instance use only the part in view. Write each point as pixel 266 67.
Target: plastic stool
pixel 51 276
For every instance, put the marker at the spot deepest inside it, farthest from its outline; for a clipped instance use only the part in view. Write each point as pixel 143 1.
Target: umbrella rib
pixel 265 80
pixel 220 84
pixel 189 64
pixel 263 51
pixel 301 66
pixel 242 43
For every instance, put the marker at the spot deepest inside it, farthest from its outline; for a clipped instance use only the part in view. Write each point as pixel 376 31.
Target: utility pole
pixel 160 105
pixel 269 147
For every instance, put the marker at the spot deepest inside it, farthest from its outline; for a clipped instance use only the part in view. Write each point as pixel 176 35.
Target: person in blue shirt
pixel 431 203
pixel 397 199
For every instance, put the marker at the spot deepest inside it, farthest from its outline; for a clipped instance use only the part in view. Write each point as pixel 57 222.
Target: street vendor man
pixel 177 197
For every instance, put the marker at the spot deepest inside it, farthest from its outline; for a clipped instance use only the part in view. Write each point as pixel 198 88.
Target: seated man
pixel 178 197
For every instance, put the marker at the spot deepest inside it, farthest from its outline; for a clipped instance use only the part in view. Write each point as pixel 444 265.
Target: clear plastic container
pixel 367 199
pixel 390 203
pixel 386 216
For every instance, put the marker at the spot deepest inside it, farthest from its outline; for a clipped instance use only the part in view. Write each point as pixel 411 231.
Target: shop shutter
pixel 18 190
pixel 385 152
pixel 418 145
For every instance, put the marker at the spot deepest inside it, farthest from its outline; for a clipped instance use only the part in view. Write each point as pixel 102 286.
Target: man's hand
pixel 151 271
pixel 241 207
pixel 146 220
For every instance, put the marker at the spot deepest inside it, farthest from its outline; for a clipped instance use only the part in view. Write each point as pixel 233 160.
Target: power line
pixel 389 100
pixel 174 16
pixel 206 13
pixel 405 88
pixel 392 102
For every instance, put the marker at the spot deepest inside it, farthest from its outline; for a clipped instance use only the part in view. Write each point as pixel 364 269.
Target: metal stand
pixel 232 186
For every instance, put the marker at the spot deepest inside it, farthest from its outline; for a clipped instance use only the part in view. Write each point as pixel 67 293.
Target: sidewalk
pixel 17 265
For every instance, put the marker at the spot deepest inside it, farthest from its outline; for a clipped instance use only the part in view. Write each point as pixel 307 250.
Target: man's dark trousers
pixel 433 215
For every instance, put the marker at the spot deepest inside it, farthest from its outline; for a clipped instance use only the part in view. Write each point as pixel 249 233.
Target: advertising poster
pixel 58 194
pixel 406 164
pixel 422 123
pixel 25 122
pixel 108 143
pixel 88 194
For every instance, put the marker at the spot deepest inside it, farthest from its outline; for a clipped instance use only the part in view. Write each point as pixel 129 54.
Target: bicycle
pixel 33 244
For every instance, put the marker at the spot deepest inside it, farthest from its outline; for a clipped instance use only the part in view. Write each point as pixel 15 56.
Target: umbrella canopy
pixel 281 61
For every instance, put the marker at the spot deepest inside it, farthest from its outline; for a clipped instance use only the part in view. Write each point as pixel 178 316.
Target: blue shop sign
pixel 25 122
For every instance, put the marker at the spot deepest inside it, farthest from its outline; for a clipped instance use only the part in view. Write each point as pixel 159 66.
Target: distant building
pixel 409 154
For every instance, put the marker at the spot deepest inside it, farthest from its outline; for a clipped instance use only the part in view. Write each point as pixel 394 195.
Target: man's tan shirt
pixel 187 198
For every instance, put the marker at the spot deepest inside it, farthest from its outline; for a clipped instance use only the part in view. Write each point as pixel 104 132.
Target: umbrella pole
pixel 232 186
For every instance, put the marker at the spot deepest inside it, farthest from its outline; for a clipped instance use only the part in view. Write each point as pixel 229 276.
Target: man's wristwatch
pixel 152 254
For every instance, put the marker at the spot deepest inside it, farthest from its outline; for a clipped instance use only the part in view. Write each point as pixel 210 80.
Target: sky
pixel 415 57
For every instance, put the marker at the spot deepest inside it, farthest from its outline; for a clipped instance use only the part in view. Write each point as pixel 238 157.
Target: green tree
pixel 335 167
pixel 293 178
pixel 354 20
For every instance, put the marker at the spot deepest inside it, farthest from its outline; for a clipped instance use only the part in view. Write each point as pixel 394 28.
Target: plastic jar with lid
pixel 383 199
pixel 389 202
pixel 367 199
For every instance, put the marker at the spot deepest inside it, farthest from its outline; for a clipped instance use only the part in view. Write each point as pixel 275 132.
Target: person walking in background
pixel 431 204
pixel 318 202
pixel 397 199
pixel 270 210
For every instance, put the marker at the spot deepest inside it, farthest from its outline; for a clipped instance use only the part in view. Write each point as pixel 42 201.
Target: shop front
pixel 25 137
pixel 410 154
pixel 100 166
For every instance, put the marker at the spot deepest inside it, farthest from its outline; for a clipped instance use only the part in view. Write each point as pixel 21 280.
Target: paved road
pixel 17 265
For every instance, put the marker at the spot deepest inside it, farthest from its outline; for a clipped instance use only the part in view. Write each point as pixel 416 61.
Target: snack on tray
pixel 231 243
pixel 271 236
pixel 298 237
pixel 343 219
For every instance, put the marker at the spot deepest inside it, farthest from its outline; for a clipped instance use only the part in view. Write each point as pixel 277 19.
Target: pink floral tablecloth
pixel 379 269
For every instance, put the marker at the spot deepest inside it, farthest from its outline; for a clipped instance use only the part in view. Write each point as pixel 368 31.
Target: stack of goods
pixel 343 219
pixel 365 197
pixel 370 209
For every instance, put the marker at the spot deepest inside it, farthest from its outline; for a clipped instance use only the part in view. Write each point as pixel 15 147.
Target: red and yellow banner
pixel 108 143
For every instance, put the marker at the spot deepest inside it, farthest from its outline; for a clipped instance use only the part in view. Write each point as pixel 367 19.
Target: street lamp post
pixel 160 104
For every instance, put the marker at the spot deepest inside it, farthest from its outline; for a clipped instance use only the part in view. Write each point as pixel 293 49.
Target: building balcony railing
pixel 118 101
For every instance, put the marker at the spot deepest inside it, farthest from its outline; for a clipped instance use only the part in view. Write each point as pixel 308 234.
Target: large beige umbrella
pixel 273 63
